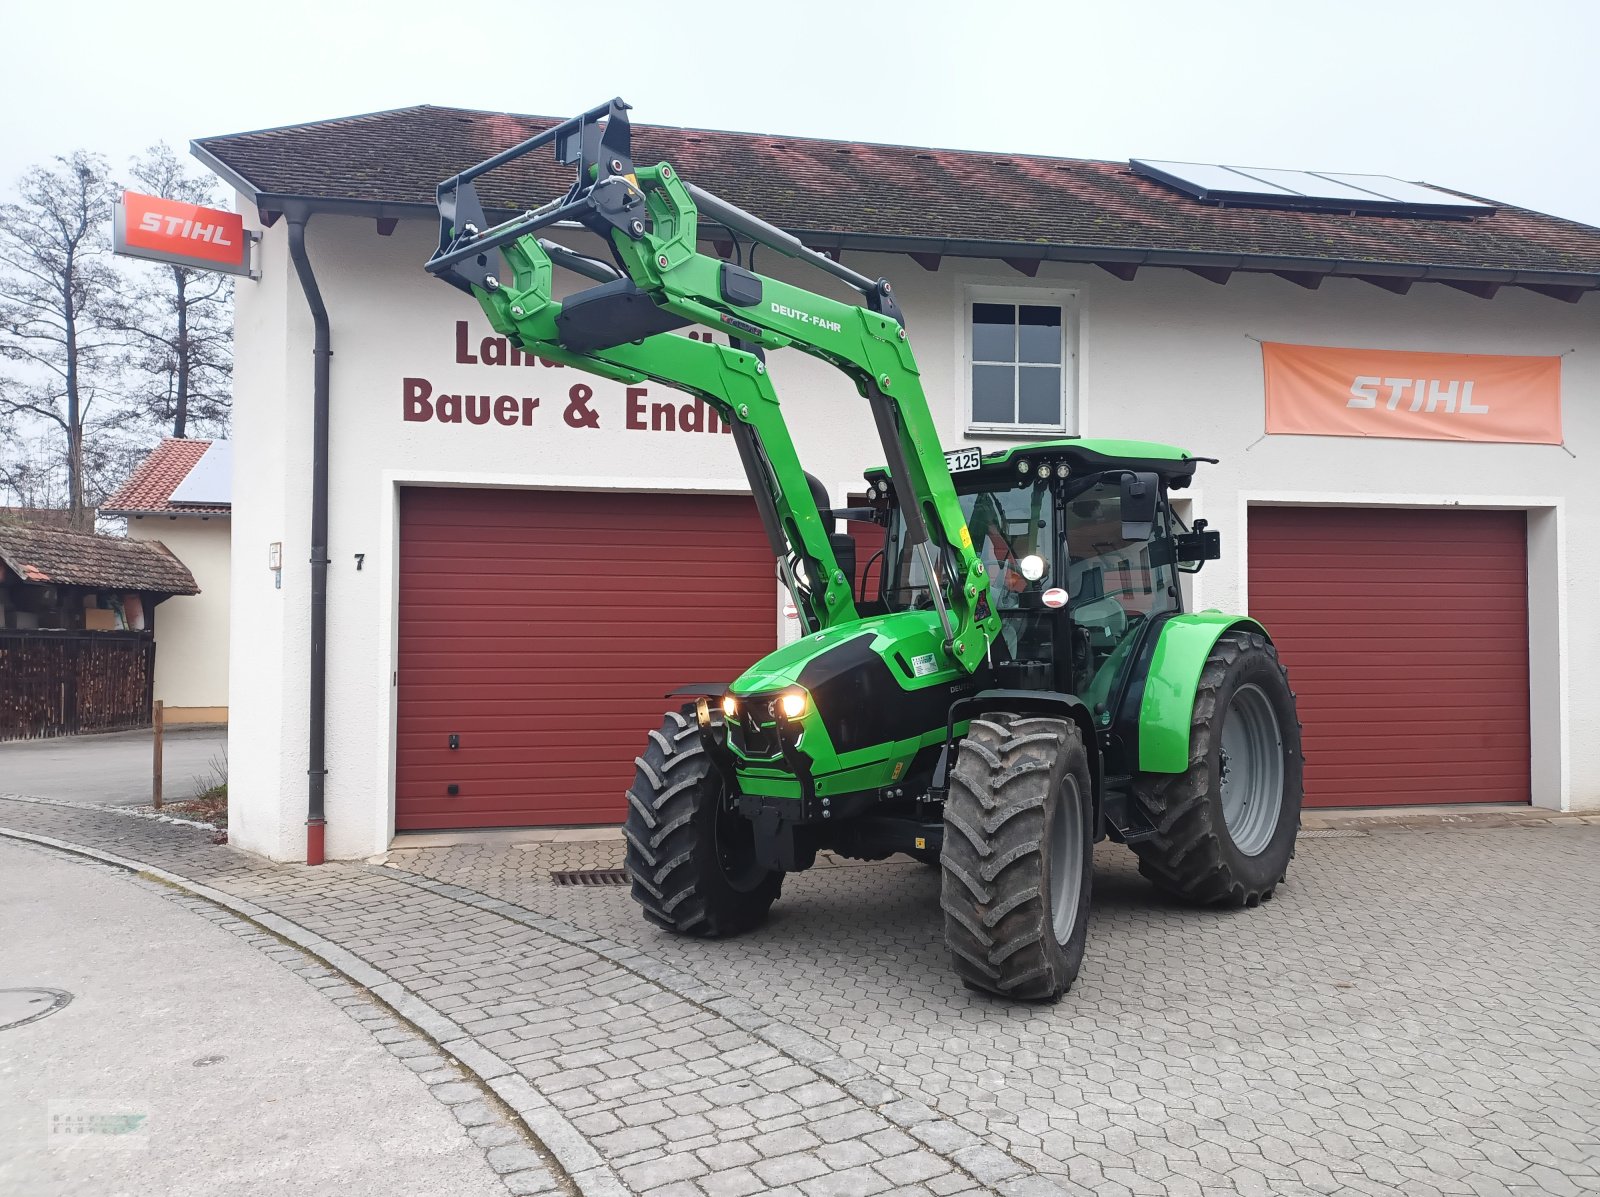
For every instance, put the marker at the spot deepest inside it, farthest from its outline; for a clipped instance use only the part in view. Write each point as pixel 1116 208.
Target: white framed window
pixel 1021 360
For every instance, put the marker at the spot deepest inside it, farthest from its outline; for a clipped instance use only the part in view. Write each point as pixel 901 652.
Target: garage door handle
pixel 455 742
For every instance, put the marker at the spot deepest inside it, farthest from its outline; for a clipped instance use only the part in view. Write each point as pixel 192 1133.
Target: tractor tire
pixel 1018 845
pixel 1225 829
pixel 691 861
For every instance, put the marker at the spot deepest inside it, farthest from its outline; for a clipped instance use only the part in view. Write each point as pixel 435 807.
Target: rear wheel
pixel 1018 844
pixel 1225 828
pixel 692 861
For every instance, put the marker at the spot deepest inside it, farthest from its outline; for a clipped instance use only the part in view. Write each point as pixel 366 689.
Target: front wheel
pixel 1225 828
pixel 691 859
pixel 1018 849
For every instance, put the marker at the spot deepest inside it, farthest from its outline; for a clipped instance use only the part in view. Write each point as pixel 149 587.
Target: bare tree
pixel 58 292
pixel 180 321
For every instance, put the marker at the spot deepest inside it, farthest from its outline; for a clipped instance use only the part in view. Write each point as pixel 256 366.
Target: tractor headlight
pixel 730 708
pixel 792 704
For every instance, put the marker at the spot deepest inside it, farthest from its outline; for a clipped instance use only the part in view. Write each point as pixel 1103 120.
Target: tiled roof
pixel 149 490
pixel 45 555
pixel 898 197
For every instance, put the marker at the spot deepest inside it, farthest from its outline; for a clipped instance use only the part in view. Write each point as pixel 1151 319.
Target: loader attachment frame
pixel 650 220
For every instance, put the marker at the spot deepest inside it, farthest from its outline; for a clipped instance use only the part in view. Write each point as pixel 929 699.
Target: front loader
pixel 1016 681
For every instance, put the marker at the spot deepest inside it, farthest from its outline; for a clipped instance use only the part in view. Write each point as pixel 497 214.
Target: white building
pixel 180 495
pixel 524 559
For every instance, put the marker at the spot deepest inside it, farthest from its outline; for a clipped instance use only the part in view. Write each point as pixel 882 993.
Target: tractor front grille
pixel 754 734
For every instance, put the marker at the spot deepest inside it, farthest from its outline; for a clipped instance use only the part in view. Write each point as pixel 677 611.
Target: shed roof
pixel 44 556
pixel 149 490
pixel 1018 207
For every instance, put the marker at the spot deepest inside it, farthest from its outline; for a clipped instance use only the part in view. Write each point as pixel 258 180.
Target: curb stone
pixel 130 812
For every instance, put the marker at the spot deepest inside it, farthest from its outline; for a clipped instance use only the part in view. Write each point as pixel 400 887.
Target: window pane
pixel 1039 338
pixel 1039 395
pixel 994 332
pixel 994 394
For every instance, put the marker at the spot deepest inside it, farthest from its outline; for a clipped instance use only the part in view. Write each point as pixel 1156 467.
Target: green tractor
pixel 1008 679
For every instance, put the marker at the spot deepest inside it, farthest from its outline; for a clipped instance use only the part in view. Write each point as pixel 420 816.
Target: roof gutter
pixel 321 353
pixel 1196 260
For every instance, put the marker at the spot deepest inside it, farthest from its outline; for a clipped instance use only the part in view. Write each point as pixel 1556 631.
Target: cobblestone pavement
pixel 1416 1013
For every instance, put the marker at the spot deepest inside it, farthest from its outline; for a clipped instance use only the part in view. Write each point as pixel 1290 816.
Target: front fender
pixel 1167 708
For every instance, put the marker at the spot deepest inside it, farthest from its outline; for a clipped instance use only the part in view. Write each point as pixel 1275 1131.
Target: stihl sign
pixel 163 230
pixel 1316 390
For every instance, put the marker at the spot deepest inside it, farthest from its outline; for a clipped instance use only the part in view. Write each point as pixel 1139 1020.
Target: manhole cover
pixel 1334 833
pixel 19 1006
pixel 590 877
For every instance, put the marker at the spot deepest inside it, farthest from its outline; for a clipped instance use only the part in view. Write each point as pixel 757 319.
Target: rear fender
pixel 1167 708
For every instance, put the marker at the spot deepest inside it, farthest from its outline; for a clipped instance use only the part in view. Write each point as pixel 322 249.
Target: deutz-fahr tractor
pixel 1009 677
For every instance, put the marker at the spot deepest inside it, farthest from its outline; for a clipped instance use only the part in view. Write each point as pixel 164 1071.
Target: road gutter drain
pixel 590 877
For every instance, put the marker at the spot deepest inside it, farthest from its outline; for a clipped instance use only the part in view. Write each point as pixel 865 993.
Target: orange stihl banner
pixel 1315 390
pixel 146 226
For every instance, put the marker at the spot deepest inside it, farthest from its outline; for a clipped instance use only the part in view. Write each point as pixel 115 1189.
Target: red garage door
pixel 1406 637
pixel 543 627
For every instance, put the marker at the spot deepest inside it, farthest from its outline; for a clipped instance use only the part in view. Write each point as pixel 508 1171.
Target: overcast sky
pixel 1501 100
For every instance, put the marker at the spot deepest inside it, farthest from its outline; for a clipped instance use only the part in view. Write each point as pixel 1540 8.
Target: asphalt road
pixel 223 1071
pixel 113 769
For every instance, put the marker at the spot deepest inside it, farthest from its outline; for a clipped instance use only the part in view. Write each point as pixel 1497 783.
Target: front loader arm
pixel 650 218
pixel 870 344
pixel 733 381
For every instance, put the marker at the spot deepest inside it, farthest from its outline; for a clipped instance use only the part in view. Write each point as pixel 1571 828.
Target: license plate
pixel 961 460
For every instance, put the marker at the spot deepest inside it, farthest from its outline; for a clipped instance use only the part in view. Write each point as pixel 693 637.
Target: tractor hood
pixel 909 642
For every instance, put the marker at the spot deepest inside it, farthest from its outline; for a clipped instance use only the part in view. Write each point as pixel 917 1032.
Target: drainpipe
pixel 321 352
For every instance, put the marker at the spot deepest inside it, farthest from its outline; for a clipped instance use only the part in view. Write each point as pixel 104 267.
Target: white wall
pixel 192 630
pixel 1168 357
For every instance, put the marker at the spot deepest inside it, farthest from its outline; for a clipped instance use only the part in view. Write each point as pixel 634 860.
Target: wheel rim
pixel 1066 860
pixel 734 841
pixel 1251 769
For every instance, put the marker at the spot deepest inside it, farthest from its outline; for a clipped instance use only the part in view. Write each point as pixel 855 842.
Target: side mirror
pixel 1141 494
pixel 1188 551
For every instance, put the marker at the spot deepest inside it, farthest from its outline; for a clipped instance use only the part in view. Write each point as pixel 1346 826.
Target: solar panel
pixel 1411 193
pixel 210 480
pixel 1316 191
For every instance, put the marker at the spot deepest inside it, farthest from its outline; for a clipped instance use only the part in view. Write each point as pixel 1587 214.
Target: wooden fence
pixel 59 683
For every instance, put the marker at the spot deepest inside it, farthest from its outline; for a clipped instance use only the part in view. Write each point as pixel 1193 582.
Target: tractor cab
pixel 1082 550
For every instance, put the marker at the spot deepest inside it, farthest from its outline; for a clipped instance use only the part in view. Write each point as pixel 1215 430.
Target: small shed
pixel 77 620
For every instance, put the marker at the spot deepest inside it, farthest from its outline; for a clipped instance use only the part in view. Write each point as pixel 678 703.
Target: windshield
pixel 1006 526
